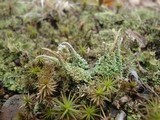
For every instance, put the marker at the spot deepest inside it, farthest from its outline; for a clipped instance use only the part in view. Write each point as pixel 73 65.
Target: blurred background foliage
pixel 91 28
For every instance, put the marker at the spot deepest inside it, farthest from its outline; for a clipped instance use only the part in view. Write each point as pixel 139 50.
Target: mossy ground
pixel 91 30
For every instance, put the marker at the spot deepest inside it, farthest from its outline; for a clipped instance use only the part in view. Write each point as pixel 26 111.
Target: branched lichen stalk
pixel 77 59
pixel 54 54
pixel 48 58
pixel 71 49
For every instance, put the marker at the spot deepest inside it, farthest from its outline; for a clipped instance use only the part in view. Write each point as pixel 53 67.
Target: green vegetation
pixel 75 64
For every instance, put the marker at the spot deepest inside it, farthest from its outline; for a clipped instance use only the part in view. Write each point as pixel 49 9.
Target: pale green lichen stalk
pixel 77 73
pixel 77 60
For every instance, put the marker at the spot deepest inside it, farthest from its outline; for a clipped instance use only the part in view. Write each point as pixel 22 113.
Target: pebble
pixel 11 107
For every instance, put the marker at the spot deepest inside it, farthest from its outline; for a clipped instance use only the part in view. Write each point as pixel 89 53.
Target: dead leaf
pixel 124 100
pixel 142 41
pixel 117 104
pixel 108 3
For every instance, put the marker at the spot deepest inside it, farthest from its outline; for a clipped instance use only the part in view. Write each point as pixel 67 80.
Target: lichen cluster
pixel 75 62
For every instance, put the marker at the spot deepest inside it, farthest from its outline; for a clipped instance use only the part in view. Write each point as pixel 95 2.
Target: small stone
pixel 6 96
pixel 121 116
pixel 11 107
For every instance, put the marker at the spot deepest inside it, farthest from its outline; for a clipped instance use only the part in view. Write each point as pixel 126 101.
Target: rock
pixel 11 107
pixel 121 116
pixel 134 77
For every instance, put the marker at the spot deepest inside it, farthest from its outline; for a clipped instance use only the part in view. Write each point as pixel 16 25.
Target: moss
pixel 32 31
pixel 92 32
